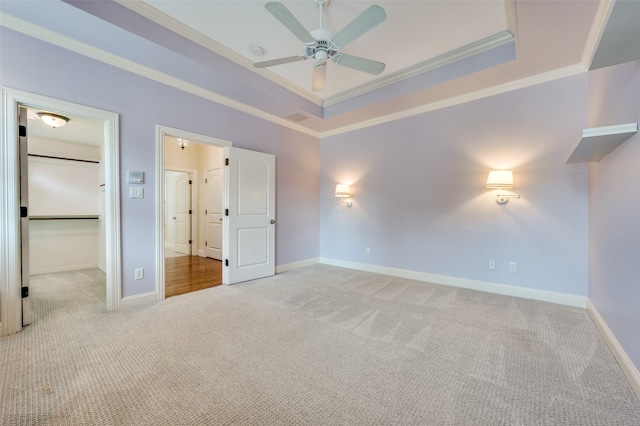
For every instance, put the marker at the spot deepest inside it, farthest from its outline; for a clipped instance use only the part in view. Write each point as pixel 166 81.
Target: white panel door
pixel 182 198
pixel 251 220
pixel 214 187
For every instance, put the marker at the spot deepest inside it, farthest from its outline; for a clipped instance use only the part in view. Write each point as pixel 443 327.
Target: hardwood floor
pixel 184 274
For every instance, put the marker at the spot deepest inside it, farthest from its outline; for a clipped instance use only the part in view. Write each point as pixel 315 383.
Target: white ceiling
pixel 78 130
pixel 414 32
pixel 188 41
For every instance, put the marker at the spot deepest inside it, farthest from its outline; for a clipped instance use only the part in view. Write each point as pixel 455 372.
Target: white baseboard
pixel 294 265
pixel 201 253
pixel 62 269
pixel 630 371
pixel 507 290
pixel 136 300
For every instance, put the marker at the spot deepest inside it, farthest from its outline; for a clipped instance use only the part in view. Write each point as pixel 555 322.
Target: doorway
pixel 11 289
pixel 193 190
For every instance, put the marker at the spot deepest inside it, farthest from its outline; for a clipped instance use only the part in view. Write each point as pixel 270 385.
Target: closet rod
pixel 64 158
pixel 70 217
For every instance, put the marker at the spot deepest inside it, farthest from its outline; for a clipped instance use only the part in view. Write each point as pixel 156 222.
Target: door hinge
pixel 25 292
pixel 226 262
pixel 205 212
pixel 22 131
pixel 23 211
pixel 190 182
pixel 206 180
pixel 226 161
pixel 190 242
pixel 226 212
pixel 205 243
pixel 190 212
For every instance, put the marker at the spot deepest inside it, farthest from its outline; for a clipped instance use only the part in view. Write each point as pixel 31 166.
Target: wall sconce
pixel 343 191
pixel 53 120
pixel 501 179
pixel 182 143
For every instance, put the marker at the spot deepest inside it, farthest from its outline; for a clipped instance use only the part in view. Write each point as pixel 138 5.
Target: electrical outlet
pixel 512 266
pixel 492 264
pixel 139 273
pixel 367 251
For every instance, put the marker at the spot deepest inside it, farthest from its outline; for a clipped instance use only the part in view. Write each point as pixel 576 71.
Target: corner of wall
pixel 626 365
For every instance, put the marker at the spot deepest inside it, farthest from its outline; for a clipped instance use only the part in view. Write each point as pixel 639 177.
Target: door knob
pixel 272 221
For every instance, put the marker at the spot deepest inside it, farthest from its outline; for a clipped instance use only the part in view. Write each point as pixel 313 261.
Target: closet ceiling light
pixel 182 143
pixel 53 120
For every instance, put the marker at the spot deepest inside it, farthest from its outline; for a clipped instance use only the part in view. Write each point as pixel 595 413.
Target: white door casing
pixel 182 199
pixel 250 177
pixel 161 133
pixel 10 275
pixel 214 184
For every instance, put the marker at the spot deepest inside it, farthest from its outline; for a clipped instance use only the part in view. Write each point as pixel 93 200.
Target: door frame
pixel 194 196
pixel 161 132
pixel 10 270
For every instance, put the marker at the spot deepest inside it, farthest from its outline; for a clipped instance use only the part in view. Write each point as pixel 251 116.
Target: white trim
pixel 626 365
pixel 52 37
pixel 422 67
pixel 295 265
pixel 161 132
pixel 142 299
pixel 595 33
pixel 63 269
pixel 57 39
pixel 189 33
pixel 467 97
pixel 10 196
pixel 507 290
pixel 9 218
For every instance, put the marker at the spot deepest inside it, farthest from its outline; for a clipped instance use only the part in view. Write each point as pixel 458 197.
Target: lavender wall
pixel 419 198
pixel 37 67
pixel 614 208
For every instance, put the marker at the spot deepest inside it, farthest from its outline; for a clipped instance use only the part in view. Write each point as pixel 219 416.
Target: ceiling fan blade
pixel 319 76
pixel 358 63
pixel 368 19
pixel 279 61
pixel 282 14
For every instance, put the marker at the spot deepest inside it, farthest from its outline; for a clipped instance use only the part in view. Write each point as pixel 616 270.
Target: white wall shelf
pixel 598 142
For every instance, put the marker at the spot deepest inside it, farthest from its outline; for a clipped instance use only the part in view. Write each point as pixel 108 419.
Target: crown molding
pixel 48 36
pixel 597 29
pixel 30 29
pixel 439 61
pixel 467 97
pixel 164 20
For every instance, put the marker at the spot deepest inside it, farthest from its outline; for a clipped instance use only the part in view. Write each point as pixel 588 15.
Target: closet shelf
pixel 64 217
pixel 596 143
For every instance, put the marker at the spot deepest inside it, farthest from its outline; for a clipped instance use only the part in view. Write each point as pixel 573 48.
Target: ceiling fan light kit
pixel 321 45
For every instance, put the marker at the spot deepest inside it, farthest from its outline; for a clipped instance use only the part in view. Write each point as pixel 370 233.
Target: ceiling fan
pixel 321 45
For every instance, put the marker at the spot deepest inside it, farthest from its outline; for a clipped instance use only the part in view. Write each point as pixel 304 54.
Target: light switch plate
pixel 136 192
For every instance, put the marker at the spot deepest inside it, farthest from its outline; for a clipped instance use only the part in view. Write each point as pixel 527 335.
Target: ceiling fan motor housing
pixel 321 51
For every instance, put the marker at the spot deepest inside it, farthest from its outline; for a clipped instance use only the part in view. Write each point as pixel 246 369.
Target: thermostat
pixel 136 177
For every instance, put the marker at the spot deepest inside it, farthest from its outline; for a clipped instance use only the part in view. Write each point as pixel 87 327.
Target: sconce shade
pixel 500 179
pixel 343 190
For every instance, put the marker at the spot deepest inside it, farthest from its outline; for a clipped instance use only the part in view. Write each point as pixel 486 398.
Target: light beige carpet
pixel 315 346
